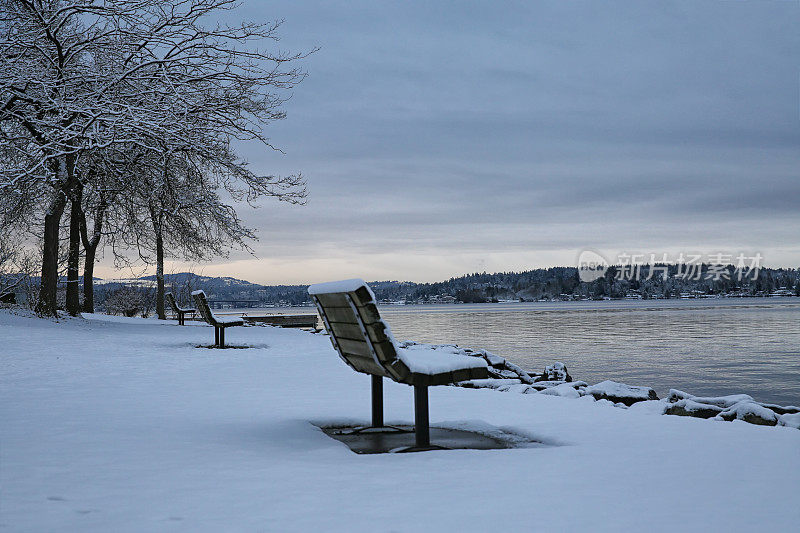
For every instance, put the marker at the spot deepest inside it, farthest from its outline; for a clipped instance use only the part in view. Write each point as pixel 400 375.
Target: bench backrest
pixel 201 303
pixel 172 302
pixel 364 341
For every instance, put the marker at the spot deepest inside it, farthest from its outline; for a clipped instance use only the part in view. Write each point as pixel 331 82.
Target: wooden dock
pixel 284 321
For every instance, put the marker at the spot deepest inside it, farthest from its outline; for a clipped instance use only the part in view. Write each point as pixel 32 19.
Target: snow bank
pixel 790 420
pixel 649 407
pixel 111 425
pixel 563 389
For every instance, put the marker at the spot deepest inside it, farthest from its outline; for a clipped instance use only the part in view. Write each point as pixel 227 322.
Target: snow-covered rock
pixel 489 383
pixel 782 409
pixel 555 372
pixel 621 393
pixel 503 368
pixel 542 385
pixel 731 407
pixel 719 401
pixel 689 407
pixel 750 412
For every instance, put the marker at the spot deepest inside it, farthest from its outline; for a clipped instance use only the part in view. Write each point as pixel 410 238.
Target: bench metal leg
pixel 377 401
pixel 216 336
pixel 221 337
pixel 421 422
pixel 180 318
pixel 377 425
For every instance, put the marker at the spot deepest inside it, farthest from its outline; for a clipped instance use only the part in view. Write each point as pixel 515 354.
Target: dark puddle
pixel 402 439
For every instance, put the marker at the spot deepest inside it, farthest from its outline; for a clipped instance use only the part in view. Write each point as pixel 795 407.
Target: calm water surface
pixel 704 347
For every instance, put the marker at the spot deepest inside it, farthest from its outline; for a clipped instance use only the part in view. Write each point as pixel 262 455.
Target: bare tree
pixel 178 213
pixel 80 75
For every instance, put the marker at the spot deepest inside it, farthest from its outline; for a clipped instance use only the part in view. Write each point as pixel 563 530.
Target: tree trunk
pixel 88 280
pixel 90 249
pixel 160 275
pixel 47 304
pixel 73 260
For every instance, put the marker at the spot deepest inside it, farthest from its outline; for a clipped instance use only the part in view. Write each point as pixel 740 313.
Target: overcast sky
pixel 441 138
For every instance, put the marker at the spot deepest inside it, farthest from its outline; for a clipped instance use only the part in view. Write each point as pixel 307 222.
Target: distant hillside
pixel 207 283
pixel 557 283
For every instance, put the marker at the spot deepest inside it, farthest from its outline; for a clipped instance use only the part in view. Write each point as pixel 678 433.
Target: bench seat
pixel 432 367
pixel 229 320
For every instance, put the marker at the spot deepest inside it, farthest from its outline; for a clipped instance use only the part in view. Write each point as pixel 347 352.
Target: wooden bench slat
pixel 333 300
pixel 364 365
pixel 369 314
pixel 384 350
pixel 352 331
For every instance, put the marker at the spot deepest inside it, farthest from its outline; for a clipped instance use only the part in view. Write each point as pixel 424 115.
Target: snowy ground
pixel 110 424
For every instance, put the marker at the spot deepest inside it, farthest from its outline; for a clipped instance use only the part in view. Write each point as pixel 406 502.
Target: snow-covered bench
pixel 181 312
pixel 364 341
pixel 219 322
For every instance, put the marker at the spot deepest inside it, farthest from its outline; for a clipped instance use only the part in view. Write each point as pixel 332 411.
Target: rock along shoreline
pixel 556 381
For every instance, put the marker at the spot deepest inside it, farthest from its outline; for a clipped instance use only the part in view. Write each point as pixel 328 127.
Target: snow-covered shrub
pixel 17 266
pixel 130 301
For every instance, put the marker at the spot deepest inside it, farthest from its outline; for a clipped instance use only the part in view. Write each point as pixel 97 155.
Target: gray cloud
pixel 459 132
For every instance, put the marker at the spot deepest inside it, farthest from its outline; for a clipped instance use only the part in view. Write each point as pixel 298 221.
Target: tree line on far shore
pixel 118 127
pixel 564 283
pixel 557 283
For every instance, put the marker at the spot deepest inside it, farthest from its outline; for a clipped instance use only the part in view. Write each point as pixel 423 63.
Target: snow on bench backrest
pixel 363 340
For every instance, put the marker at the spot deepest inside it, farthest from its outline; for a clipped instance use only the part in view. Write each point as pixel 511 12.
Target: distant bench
pixel 181 312
pixel 219 322
pixel 364 341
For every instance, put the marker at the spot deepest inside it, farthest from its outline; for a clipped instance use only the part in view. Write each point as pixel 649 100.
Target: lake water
pixel 704 347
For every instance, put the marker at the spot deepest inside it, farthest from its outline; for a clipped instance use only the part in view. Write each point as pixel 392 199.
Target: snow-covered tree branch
pixel 82 77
